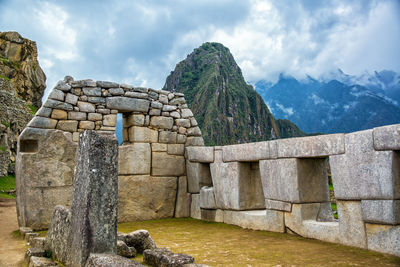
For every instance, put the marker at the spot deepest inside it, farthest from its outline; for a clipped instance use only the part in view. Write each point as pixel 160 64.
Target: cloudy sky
pixel 140 42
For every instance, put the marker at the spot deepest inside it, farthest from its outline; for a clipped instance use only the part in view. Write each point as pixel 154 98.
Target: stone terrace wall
pixel 282 186
pixel 157 125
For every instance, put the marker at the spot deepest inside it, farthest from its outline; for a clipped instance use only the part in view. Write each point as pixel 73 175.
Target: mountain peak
pixel 227 109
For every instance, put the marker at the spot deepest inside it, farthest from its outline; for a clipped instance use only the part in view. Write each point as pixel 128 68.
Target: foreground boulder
pixel 109 260
pixel 140 240
pixel 163 257
pixel 125 251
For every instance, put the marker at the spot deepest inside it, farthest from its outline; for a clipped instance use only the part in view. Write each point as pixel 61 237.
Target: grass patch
pixel 7 124
pixel 4 77
pixel 218 244
pixel 4 60
pixel 33 109
pixel 2 148
pixel 7 183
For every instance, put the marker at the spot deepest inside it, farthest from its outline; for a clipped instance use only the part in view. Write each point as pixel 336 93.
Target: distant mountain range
pixel 335 103
pixel 227 109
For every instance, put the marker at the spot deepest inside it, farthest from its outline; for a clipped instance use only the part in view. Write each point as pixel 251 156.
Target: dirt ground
pixel 12 249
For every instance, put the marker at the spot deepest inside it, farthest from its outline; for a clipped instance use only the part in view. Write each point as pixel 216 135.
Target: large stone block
pixel 126 104
pixel 295 180
pixel 363 173
pixel 250 219
pixel 146 197
pixel 67 125
pixel 164 164
pixel 207 199
pixel 381 211
pixel 237 186
pixel 59 233
pixel 99 259
pixel 44 175
pixel 95 199
pixel 134 159
pixel 183 199
pixel 175 149
pixel 383 238
pixel 142 134
pixel 212 215
pixel 387 137
pixel 200 154
pixel 278 205
pixel 198 175
pixel 195 211
pixel 162 122
pixel 310 147
pixel 303 221
pixel 250 151
pixel 351 224
pixel 42 122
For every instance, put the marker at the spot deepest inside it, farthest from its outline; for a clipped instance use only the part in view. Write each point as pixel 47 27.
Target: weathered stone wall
pixel 291 175
pixel 165 171
pixel 157 125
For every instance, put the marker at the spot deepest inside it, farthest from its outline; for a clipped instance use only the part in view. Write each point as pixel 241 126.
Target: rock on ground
pixel 163 257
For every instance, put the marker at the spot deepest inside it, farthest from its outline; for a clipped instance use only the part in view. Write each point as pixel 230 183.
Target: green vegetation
pixel 2 148
pixel 227 109
pixel 218 244
pixel 4 77
pixel 7 124
pixel 4 60
pixel 33 109
pixel 7 183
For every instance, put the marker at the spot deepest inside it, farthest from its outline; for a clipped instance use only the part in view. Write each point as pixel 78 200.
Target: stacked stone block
pixel 157 126
pixel 292 176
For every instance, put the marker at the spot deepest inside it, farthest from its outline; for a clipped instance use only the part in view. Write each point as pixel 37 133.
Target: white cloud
pixel 288 110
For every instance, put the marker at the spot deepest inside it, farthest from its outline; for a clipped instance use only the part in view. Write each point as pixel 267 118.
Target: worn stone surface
pixel 167 137
pixel 381 211
pixel 183 199
pixel 142 134
pixel 249 152
pixel 351 225
pixel 140 240
pixel 278 205
pixel 199 175
pixel 313 146
pixel 135 159
pixel 59 114
pixel 303 221
pixel 251 219
pixel 295 180
pixel 40 262
pixel 110 260
pixel 387 137
pixel 194 141
pixel 44 178
pixel 67 125
pixel 38 242
pixel 135 120
pixel 94 207
pixel 125 251
pixel 200 154
pixel 195 211
pixel 42 122
pixel 59 233
pixel 374 174
pixel 146 197
pixel 162 122
pixel 237 186
pixel 207 199
pixel 164 257
pixel 163 164
pixel 126 104
pixel 176 149
pixel 383 238
pixel 212 215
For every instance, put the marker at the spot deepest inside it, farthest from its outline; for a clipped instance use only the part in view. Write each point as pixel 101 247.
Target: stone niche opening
pixel 251 195
pixel 28 146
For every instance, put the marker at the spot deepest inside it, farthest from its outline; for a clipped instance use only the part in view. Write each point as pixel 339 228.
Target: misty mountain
pixel 343 104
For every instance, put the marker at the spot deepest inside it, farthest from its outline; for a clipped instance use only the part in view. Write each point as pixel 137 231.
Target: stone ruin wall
pixel 282 186
pixel 157 125
pixel 165 171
